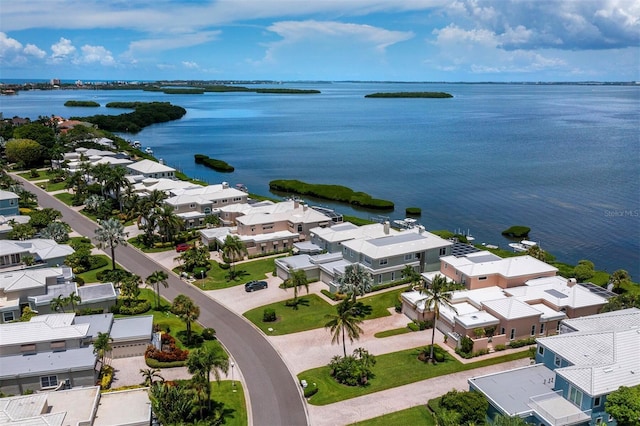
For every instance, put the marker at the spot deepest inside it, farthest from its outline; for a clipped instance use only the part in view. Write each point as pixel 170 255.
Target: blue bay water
pixel 561 159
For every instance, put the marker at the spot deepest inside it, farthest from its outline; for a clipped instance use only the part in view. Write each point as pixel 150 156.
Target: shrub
pixel 423 325
pixel 413 326
pixel 136 307
pixel 106 377
pixel 79 280
pixel 309 391
pixel 224 265
pixel 466 345
pixel 269 315
pixel 209 334
pixel 523 342
pixel 200 272
pixel 33 173
pixel 472 406
pixel 96 262
pixel 169 353
pixel 398 306
pixel 438 353
pixel 154 363
pixel 480 352
pixel 333 296
pixel 500 347
pixel 353 370
pixel 90 311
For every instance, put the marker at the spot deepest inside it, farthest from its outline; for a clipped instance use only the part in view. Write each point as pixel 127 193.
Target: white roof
pixel 7 195
pixel 477 296
pixel 211 192
pixel 477 319
pixel 147 166
pixel 42 328
pixel 159 184
pixel 511 308
pixel 626 318
pixel 27 278
pixel 348 231
pixel 548 314
pixel 602 361
pixel 285 211
pixel 396 245
pixel 557 291
pixel 42 248
pixel 484 263
pixel 273 236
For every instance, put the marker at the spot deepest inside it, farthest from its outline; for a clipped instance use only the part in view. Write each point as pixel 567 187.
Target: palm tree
pixel 155 279
pixel 193 257
pixel 537 253
pixel 115 181
pixel 130 288
pixel 438 294
pixel 296 279
pixel 411 275
pixel 73 299
pixel 111 234
pixel 168 222
pixel 233 248
pixel 148 208
pixel 186 310
pixel 102 345
pixel 57 231
pixel 58 303
pixel 205 359
pixel 100 172
pixel 149 374
pixel 355 281
pixel 344 323
pixel 618 278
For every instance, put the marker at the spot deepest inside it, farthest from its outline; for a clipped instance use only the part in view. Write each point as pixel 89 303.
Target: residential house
pixel 9 212
pixel 45 252
pixel 81 406
pixel 151 169
pixel 55 351
pixel 484 269
pixel 574 373
pixel 330 239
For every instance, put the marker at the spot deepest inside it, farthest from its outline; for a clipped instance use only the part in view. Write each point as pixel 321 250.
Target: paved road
pixel 274 395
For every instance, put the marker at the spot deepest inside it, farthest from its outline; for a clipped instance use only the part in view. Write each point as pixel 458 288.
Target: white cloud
pixel 8 45
pixel 33 50
pixel 190 65
pixel 95 54
pixel 62 49
pixel 169 43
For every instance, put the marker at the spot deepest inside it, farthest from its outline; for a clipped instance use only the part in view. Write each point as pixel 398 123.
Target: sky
pixel 333 40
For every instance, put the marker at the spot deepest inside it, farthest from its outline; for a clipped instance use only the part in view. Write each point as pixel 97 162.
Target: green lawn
pixel 50 187
pixel 312 313
pixel 394 332
pixel 392 370
pixel 65 197
pixel 91 276
pixel 139 245
pixel 234 402
pixel 419 415
pixel 216 278
pixel 44 174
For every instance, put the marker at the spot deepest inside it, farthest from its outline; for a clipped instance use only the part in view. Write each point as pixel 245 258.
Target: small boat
pixel 523 245
pixel 406 223
pixel 136 144
pixel 242 187
pixel 148 150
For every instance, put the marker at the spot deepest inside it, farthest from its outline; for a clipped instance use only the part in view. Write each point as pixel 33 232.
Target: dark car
pixel 183 247
pixel 255 285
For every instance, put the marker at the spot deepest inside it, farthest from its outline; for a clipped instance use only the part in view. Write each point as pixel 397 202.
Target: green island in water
pixel 436 95
pixel 81 104
pixel 330 192
pixel 218 165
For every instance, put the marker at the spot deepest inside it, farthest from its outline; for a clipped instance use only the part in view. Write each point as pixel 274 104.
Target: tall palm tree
pixel 100 173
pixel 202 361
pixel 355 281
pixel 438 294
pixel 102 345
pixel 155 279
pixel 74 298
pixel 297 278
pixel 344 323
pixel 168 222
pixel 115 182
pixel 618 278
pixel 148 207
pixel 411 275
pixel 234 248
pixel 110 235
pixel 186 310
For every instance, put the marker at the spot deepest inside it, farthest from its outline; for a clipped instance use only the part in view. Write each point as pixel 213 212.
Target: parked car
pixel 183 247
pixel 255 285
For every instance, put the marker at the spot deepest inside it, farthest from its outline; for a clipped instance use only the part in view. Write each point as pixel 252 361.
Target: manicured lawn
pixel 392 370
pixel 216 278
pixel 50 187
pixel 312 314
pixel 137 244
pixel 65 197
pixel 235 405
pixel 44 174
pixel 91 276
pixel 419 415
pixel 394 332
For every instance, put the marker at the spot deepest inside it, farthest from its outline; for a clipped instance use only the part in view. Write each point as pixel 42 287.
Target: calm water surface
pixel 561 159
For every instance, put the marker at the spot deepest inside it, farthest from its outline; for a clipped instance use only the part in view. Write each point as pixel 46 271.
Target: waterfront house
pixel 330 239
pixel 151 169
pixel 574 373
pixel 484 269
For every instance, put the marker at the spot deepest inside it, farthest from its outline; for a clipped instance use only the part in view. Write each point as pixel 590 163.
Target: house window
pixel 557 361
pixel 541 350
pixel 575 396
pixel 60 345
pixel 482 278
pixel 192 206
pixel 502 330
pixel 367 260
pixel 48 381
pixel 300 227
pixel 384 261
pixel 28 349
pixel 379 278
pixel 7 316
pixel 542 328
pixel 408 256
pixel 596 401
pixel 598 420
pixel 533 330
pixel 513 334
pixel 393 276
pixel 443 251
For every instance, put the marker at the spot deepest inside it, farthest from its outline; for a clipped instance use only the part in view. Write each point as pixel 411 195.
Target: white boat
pixel 148 150
pixel 406 223
pixel 523 245
pixel 136 144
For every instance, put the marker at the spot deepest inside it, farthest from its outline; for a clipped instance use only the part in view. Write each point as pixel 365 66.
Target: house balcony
pixel 557 411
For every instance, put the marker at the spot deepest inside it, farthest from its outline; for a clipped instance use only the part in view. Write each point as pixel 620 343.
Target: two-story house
pixel 46 252
pixel 574 373
pixel 151 169
pixel 8 203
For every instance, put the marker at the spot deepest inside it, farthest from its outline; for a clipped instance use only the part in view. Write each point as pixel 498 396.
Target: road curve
pixel 274 395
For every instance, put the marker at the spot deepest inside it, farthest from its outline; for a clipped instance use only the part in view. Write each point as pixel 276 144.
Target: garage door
pixel 125 351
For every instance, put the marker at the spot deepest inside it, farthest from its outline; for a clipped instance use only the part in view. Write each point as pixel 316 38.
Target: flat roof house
pixel 484 269
pixel 579 368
